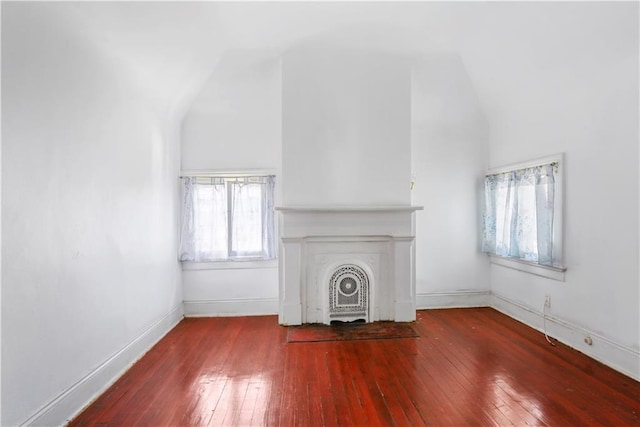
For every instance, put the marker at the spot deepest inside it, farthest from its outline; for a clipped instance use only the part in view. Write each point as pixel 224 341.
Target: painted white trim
pixel 74 399
pixel 404 311
pixel 292 312
pixel 554 273
pixel 527 164
pixel 455 299
pixel 227 172
pixel 347 239
pixel 234 307
pixel 348 209
pixel 230 265
pixel 617 356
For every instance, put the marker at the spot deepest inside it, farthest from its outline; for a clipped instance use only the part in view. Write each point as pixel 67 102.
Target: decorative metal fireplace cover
pixel 349 294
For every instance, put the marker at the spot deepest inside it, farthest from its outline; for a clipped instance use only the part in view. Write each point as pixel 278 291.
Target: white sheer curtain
pixel 519 214
pixel 227 218
pixel 246 228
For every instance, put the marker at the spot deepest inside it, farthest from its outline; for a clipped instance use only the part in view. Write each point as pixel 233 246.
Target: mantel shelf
pixel 348 209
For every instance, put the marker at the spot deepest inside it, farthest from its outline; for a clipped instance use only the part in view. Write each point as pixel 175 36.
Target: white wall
pixel 346 127
pixel 89 188
pixel 235 125
pixel 574 89
pixel 0 231
pixel 231 291
pixel 449 155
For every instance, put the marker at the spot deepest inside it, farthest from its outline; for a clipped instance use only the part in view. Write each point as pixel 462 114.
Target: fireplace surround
pixel 346 263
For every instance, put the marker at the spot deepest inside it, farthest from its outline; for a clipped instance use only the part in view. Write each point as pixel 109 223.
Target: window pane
pixel 211 222
pixel 502 225
pixel 527 235
pixel 246 220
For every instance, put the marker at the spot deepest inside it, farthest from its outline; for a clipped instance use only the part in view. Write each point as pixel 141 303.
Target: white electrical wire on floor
pixel 544 323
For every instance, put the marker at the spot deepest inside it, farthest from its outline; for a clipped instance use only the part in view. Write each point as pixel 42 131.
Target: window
pixel 523 213
pixel 227 218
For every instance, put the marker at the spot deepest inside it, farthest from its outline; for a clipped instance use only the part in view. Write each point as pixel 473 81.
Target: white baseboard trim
pixel 234 307
pixel 74 399
pixel 619 357
pixel 455 299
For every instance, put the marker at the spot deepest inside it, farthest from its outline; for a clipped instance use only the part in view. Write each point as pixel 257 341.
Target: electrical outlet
pixel 547 300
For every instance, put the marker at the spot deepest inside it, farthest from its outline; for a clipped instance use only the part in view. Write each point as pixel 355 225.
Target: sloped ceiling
pixel 171 49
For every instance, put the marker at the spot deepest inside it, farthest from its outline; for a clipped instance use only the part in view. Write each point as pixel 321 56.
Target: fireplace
pixel 349 294
pixel 346 264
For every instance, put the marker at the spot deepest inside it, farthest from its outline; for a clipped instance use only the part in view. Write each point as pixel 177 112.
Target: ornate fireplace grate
pixel 349 294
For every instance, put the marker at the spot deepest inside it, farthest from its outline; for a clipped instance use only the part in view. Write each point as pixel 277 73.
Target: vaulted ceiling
pixel 171 49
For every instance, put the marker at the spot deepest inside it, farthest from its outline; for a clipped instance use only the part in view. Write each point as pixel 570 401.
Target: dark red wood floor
pixel 469 367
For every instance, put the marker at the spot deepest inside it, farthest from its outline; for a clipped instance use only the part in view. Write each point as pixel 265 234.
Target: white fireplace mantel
pixel 302 221
pixel 339 208
pixel 316 239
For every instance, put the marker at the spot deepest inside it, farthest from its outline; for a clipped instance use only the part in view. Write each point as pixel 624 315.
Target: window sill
pixel 230 265
pixel 554 273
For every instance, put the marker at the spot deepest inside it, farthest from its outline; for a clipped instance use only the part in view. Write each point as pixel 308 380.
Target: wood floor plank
pixel 341 401
pixel 328 407
pixel 388 361
pixel 374 407
pixel 467 367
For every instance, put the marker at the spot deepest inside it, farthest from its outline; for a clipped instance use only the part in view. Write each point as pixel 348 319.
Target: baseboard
pixel 74 399
pixel 619 357
pixel 455 299
pixel 234 307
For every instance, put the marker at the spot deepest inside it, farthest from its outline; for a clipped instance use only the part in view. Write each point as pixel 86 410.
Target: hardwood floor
pixel 469 367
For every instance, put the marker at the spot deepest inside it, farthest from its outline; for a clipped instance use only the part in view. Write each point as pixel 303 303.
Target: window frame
pixel 248 262
pixel 556 272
